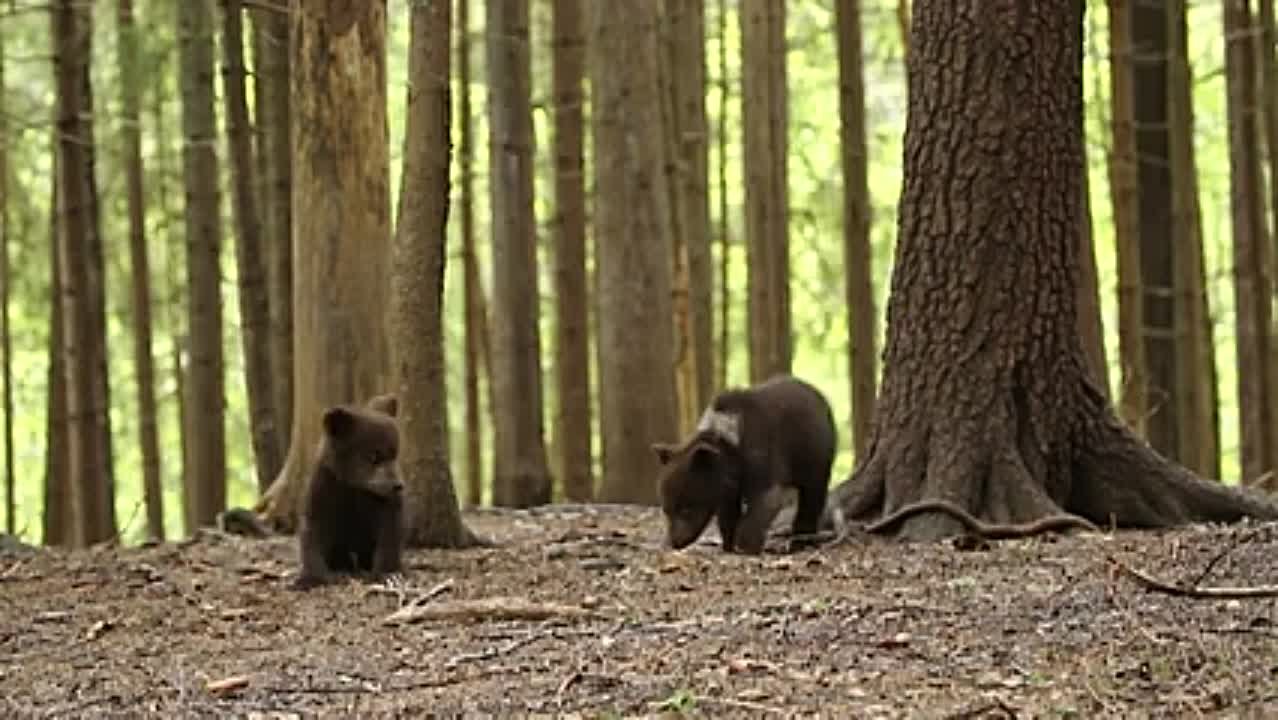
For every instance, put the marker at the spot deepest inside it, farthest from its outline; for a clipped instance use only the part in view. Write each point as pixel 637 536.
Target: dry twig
pixel 1213 593
pixel 481 609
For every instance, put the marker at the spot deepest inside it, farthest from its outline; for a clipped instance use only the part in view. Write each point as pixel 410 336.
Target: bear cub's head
pixel 694 480
pixel 361 446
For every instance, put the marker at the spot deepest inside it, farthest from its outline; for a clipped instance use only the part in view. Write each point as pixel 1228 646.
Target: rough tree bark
pixel 1122 182
pixel 521 476
pixel 986 397
pixel 276 157
pixel 341 228
pixel 206 383
pixel 686 23
pixel 255 309
pixel 1252 286
pixel 764 118
pixel 417 286
pixel 58 520
pixel 472 293
pixel 572 328
pixel 636 354
pixel 1199 410
pixel 857 255
pixel 139 265
pixel 84 340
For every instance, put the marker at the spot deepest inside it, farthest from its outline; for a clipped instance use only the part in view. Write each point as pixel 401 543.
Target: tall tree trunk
pixel 523 477
pixel 6 333
pixel 764 121
pixel 1157 256
pixel 341 227
pixel 1199 440
pixel 636 370
pixel 255 309
pixel 276 151
pixel 1252 290
pixel 417 286
pixel 58 519
pixel 857 255
pixel 680 291
pixel 84 346
pixel 1133 398
pixel 1090 327
pixel 986 396
pixel 687 27
pixel 725 221
pixel 572 328
pixel 206 383
pixel 140 266
pixel 1269 110
pixel 472 293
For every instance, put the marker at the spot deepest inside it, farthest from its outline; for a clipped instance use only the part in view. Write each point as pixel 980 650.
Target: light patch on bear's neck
pixel 726 426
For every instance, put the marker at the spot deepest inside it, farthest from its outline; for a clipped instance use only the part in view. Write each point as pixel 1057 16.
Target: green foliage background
pixel 819 313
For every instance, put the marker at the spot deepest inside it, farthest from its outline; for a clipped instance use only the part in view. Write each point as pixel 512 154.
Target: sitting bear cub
pixel 352 517
pixel 751 446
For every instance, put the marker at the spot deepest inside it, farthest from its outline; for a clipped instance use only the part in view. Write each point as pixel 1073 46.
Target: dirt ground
pixel 579 612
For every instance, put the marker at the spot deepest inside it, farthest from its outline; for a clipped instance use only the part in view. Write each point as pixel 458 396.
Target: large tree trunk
pixel 764 121
pixel 341 225
pixel 636 355
pixel 205 386
pixel 1198 414
pixel 80 258
pixel 471 290
pixel 857 255
pixel 1252 287
pixel 1132 394
pixel 255 309
pixel 140 267
pixel 521 477
pixel 986 399
pixel 572 328
pixel 276 157
pixel 417 287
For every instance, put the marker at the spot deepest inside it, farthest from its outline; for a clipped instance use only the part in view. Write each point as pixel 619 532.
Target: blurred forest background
pixel 1181 129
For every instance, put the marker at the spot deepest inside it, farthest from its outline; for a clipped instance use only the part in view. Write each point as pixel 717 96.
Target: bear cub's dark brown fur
pixel 751 445
pixel 352 518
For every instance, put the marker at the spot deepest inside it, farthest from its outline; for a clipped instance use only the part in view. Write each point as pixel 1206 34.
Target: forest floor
pixel 578 611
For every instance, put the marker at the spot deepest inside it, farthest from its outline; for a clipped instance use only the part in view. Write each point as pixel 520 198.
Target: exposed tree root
pixel 989 531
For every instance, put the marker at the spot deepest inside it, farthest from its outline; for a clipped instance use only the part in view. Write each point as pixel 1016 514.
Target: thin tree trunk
pixel 1122 182
pixel 519 442
pixel 572 329
pixel 1090 327
pixel 59 516
pixel 764 121
pixel 1269 115
pixel 91 491
pixel 6 344
pixel 274 120
pixel 205 381
pixel 140 266
pixel 470 264
pixel 1199 441
pixel 857 255
pixel 1252 292
pixel 725 222
pixel 685 368
pixel 417 294
pixel 255 309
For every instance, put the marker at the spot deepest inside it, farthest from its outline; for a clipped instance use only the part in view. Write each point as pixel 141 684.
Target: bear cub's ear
pixel 338 421
pixel 388 404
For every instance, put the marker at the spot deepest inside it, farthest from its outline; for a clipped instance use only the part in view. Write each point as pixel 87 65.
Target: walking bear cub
pixel 750 446
pixel 352 517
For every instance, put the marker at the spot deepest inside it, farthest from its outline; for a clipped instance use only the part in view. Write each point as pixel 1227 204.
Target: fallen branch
pixel 395 586
pixel 487 609
pixel 1215 593
pixel 491 653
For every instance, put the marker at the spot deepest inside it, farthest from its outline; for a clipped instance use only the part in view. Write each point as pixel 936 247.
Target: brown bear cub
pixel 750 447
pixel 352 517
